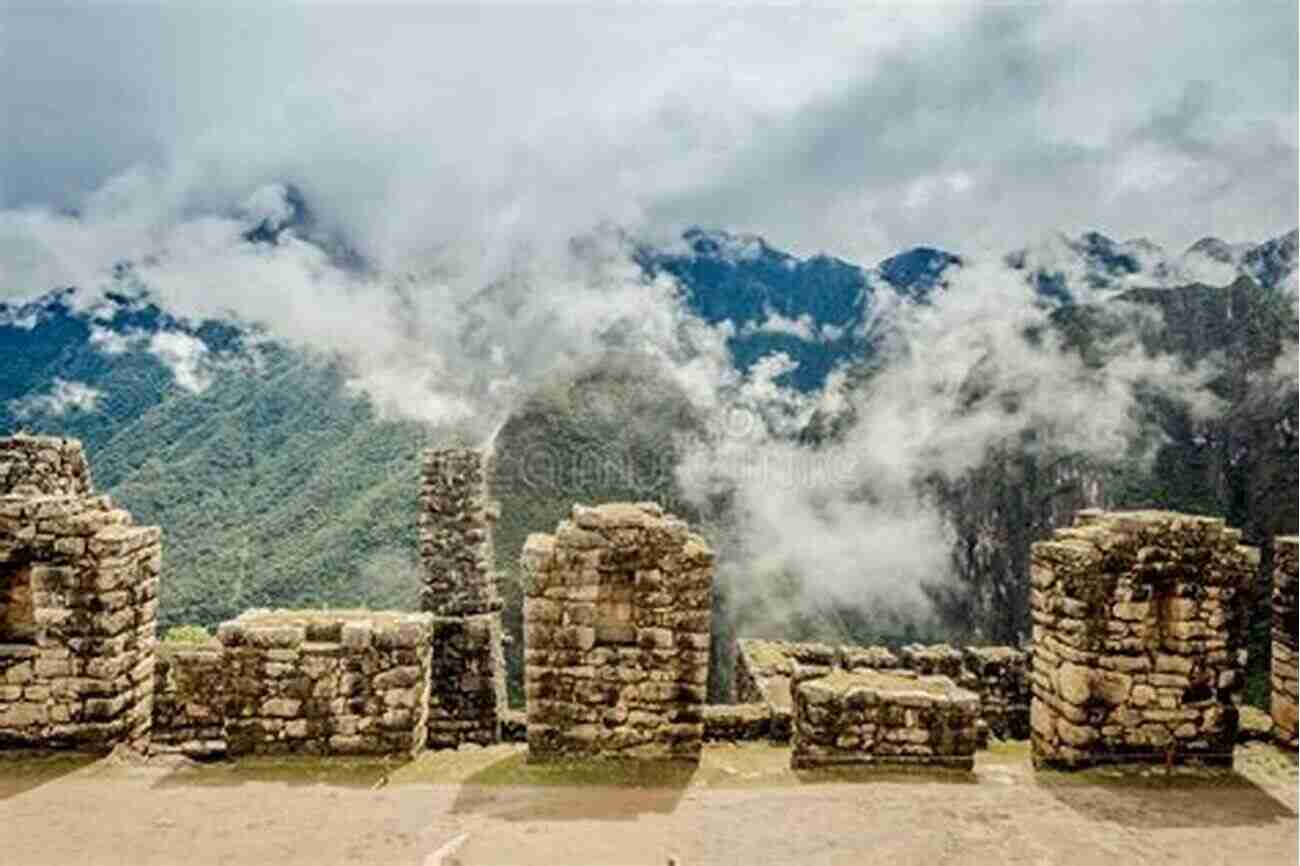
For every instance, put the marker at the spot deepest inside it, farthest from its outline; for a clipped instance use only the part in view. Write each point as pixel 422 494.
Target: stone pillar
pixel 1283 671
pixel 616 633
pixel 1139 639
pixel 78 605
pixel 468 690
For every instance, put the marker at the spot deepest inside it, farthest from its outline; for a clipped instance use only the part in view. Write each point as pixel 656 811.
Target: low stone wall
pixel 1283 666
pixel 616 624
pixel 467 691
pixel 78 604
pixel 43 466
pixel 189 700
pixel 1139 639
pixel 998 675
pixel 326 682
pixel 733 723
pixel 882 718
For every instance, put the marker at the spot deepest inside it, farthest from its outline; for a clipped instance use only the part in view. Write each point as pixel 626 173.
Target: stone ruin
pixel 78 603
pixel 616 623
pixel 1282 673
pixel 468 695
pixel 762 683
pixel 1139 639
pixel 881 718
pixel 1139 629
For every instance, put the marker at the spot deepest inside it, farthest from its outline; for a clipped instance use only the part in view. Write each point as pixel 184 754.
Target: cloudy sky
pixel 858 130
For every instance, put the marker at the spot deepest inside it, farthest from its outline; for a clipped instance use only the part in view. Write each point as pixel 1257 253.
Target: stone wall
pixel 467 697
pixel 467 694
pixel 326 682
pixel 998 675
pixel 616 623
pixel 43 466
pixel 189 712
pixel 78 605
pixel 881 718
pixel 1139 639
pixel 1283 666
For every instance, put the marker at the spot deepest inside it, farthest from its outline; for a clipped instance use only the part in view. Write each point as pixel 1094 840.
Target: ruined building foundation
pixel 881 718
pixel 467 698
pixel 1139 639
pixel 616 624
pixel 1282 675
pixel 78 604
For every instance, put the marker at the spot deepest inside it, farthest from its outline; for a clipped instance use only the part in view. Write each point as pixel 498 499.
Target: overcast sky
pixel 856 130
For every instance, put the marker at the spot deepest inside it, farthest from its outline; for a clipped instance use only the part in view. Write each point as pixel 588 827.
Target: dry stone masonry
pixel 326 682
pixel 616 624
pixel 1139 639
pixel 189 707
pixel 881 718
pixel 997 675
pixel 78 604
pixel 1283 672
pixel 468 693
pixel 43 466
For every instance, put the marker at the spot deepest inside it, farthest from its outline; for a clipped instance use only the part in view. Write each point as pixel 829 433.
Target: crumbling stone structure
pixel 1139 639
pixel 881 718
pixel 78 605
pixel 326 682
pixel 468 688
pixel 1283 666
pixel 616 623
pixel 997 675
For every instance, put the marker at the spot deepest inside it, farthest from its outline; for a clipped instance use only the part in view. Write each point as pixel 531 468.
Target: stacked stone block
pixel 616 623
pixel 877 718
pixel 78 605
pixel 764 669
pixel 1283 665
pixel 43 466
pixel 189 707
pixel 468 693
pixel 998 675
pixel 326 682
pixel 1139 639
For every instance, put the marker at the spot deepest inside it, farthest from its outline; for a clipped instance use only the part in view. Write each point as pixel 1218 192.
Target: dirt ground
pixel 742 805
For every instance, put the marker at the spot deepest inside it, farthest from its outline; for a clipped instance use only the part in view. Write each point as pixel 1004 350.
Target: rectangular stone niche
pixel 616 625
pixel 326 682
pixel 1139 639
pixel 17 611
pixel 882 719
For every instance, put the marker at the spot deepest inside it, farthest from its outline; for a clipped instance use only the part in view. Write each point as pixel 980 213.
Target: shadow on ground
pixel 512 789
pixel 21 771
pixel 1221 798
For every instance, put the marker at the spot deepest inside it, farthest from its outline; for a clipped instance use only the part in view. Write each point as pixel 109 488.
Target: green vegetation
pixel 186 634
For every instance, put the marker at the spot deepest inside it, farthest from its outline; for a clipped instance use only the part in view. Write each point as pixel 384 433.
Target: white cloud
pixel 64 396
pixel 185 356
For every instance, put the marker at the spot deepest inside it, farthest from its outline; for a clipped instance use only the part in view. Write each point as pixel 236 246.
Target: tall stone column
pixel 468 689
